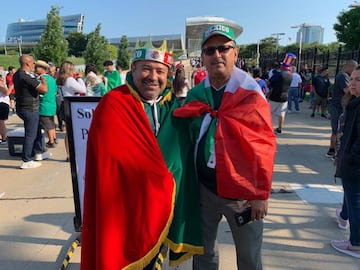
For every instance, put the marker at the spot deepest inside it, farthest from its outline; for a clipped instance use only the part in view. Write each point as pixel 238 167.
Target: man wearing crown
pixel 135 205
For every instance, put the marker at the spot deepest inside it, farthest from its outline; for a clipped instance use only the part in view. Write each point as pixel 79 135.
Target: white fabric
pixel 73 87
pixel 296 79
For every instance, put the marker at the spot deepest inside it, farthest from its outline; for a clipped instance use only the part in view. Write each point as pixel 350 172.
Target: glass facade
pixel 31 31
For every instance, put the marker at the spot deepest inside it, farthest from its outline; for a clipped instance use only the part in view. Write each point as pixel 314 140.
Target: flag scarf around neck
pixel 136 195
pixel 244 140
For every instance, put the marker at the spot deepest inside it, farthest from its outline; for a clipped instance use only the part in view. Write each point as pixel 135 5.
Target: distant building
pixel 174 42
pixel 31 31
pixel 197 25
pixel 310 34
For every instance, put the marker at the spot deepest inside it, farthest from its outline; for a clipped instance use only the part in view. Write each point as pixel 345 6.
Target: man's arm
pixel 3 89
pixel 42 86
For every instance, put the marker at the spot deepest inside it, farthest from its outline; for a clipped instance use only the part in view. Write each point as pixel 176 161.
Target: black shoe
pixel 50 145
pixel 312 115
pixel 278 130
pixel 56 141
pixel 323 116
pixel 330 154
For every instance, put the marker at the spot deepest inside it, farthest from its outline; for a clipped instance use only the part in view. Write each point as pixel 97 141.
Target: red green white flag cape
pixel 133 183
pixel 244 143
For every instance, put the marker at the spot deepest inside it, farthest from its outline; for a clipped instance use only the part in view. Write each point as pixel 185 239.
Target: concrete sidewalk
pixel 36 228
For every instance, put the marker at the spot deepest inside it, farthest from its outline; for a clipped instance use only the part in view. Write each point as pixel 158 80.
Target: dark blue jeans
pixel 33 140
pixel 352 198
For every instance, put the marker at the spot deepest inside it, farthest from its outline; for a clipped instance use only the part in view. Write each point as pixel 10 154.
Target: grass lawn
pixel 13 60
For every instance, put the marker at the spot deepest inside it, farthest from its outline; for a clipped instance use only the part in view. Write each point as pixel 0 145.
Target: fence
pixel 333 60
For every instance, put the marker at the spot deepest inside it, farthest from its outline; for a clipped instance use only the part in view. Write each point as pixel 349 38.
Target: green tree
pixel 96 49
pixel 77 43
pixel 347 30
pixel 112 51
pixel 52 45
pixel 123 59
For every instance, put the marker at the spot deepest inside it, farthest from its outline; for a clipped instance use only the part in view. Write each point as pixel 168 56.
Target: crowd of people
pixel 35 93
pixel 198 147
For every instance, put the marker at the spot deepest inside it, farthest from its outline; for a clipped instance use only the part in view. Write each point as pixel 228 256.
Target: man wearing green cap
pixel 136 174
pixel 231 126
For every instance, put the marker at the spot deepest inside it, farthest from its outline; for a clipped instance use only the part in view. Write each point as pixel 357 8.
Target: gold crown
pixel 149 52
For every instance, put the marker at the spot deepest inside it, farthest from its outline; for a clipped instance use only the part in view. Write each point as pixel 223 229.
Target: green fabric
pixel 48 100
pixel 173 138
pixel 113 79
pixel 206 175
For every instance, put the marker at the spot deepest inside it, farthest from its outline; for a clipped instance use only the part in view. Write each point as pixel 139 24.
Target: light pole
pixel 277 38
pixel 19 40
pixel 301 26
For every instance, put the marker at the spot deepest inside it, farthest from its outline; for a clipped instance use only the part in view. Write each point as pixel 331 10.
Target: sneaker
pixel 289 111
pixel 312 115
pixel 342 223
pixel 330 154
pixel 30 165
pixel 2 194
pixel 4 141
pixel 344 247
pixel 45 155
pixel 323 116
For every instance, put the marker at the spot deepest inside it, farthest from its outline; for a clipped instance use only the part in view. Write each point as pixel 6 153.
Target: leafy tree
pixel 77 43
pixel 348 28
pixel 52 45
pixel 112 51
pixel 123 59
pixel 96 49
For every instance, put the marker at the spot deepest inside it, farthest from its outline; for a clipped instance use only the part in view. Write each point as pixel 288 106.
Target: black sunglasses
pixel 221 49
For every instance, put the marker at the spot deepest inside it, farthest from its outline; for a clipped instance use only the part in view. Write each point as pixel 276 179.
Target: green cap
pixel 218 29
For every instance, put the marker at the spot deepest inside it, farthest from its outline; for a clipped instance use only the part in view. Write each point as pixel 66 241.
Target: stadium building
pixel 31 31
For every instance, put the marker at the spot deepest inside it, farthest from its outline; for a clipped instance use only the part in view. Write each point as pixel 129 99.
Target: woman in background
pixel 181 85
pixel 69 86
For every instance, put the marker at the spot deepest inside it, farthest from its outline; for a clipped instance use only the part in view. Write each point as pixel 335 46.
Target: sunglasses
pixel 221 49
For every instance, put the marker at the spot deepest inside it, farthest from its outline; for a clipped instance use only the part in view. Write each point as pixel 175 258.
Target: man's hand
pixel 259 208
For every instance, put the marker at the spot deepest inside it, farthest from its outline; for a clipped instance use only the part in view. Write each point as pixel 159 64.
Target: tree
pixel 112 50
pixel 52 45
pixel 96 49
pixel 123 59
pixel 77 43
pixel 348 28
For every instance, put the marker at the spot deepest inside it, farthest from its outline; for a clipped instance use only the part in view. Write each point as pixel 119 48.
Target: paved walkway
pixel 36 227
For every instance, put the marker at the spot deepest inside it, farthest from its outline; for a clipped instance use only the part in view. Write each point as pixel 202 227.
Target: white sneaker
pixel 30 165
pixel 45 155
pixel 2 194
pixel 342 223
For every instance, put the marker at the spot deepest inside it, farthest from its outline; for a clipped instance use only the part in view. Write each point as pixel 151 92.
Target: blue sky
pixel 260 19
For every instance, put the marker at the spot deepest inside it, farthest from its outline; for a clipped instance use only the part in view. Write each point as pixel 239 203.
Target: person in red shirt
pixel 10 85
pixel 198 75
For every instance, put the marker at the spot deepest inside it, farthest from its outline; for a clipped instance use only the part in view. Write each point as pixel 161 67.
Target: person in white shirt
pixel 69 86
pixel 4 109
pixel 295 90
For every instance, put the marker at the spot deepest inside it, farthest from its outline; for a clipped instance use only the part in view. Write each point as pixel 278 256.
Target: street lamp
pixel 277 38
pixel 301 26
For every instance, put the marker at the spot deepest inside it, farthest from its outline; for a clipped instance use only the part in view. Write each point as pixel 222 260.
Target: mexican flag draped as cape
pixel 244 141
pixel 139 190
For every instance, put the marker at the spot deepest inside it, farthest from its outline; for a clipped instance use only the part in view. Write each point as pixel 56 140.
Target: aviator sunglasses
pixel 221 49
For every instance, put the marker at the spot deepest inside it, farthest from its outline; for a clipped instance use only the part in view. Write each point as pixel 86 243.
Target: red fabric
pixel 245 144
pixel 199 76
pixel 129 192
